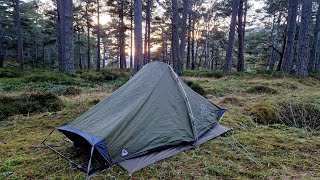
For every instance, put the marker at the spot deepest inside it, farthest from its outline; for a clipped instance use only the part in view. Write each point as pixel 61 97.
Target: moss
pixel 29 103
pixel 265 114
pixel 259 89
pixel 196 87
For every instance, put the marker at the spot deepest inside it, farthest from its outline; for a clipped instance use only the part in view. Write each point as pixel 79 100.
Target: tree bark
pixel 80 52
pixel 88 38
pixel 313 53
pixel 289 51
pixel 189 42
pixel 183 32
pixel 68 61
pixel 19 34
pixel 131 36
pixel 122 37
pixel 192 44
pixel 149 28
pixel 2 53
pixel 303 41
pixel 228 61
pixel 138 35
pixel 98 37
pixel 240 66
pixel 175 37
pixel 275 43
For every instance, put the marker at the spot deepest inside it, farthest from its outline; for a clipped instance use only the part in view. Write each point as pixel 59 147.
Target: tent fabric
pixel 154 110
pixel 135 164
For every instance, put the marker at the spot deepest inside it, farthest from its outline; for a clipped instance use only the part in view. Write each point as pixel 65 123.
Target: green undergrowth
pixel 266 140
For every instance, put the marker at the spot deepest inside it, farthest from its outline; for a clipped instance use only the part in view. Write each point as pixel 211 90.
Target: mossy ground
pixel 283 151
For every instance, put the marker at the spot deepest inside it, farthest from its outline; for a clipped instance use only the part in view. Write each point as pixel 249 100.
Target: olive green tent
pixel 153 116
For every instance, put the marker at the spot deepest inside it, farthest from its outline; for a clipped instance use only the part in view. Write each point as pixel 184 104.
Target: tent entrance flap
pixel 81 138
pixel 84 169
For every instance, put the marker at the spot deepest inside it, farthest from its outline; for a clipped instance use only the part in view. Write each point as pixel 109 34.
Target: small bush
pixel 54 78
pixel 71 91
pixel 202 73
pixel 196 87
pixel 30 103
pixel 300 115
pixel 231 100
pixel 309 81
pixel 265 114
pixel 9 73
pixel 259 89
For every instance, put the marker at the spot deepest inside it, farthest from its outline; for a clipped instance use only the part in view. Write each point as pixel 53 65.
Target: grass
pixel 285 152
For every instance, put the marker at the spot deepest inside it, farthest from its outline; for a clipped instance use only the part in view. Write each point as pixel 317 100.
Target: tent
pixel 153 116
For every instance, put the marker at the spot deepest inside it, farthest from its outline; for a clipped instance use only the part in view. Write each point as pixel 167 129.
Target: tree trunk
pixel 88 38
pixel 80 52
pixel 98 37
pixel 131 36
pixel 138 35
pixel 275 44
pixel 122 37
pixel 228 61
pixel 61 33
pixel 288 53
pixel 189 42
pixel 145 47
pixel 2 53
pixel 313 53
pixel 303 41
pixel 192 45
pixel 68 61
pixel 104 53
pixel 240 66
pixel 149 6
pixel 183 32
pixel 175 37
pixel 19 34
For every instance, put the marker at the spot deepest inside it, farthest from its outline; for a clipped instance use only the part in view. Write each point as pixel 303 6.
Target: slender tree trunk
pixel 131 36
pixel 193 45
pixel 19 34
pixel 122 38
pixel 149 28
pixel 289 51
pixel 104 52
pixel 98 37
pixel 88 38
pixel 313 53
pixel 138 35
pixel 275 44
pixel 228 60
pixel 207 62
pixel 175 37
pixel 2 53
pixel 240 66
pixel 183 32
pixel 80 52
pixel 303 41
pixel 189 42
pixel 145 47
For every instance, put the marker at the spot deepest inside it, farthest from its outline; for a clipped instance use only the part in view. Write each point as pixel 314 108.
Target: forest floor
pixel 274 120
